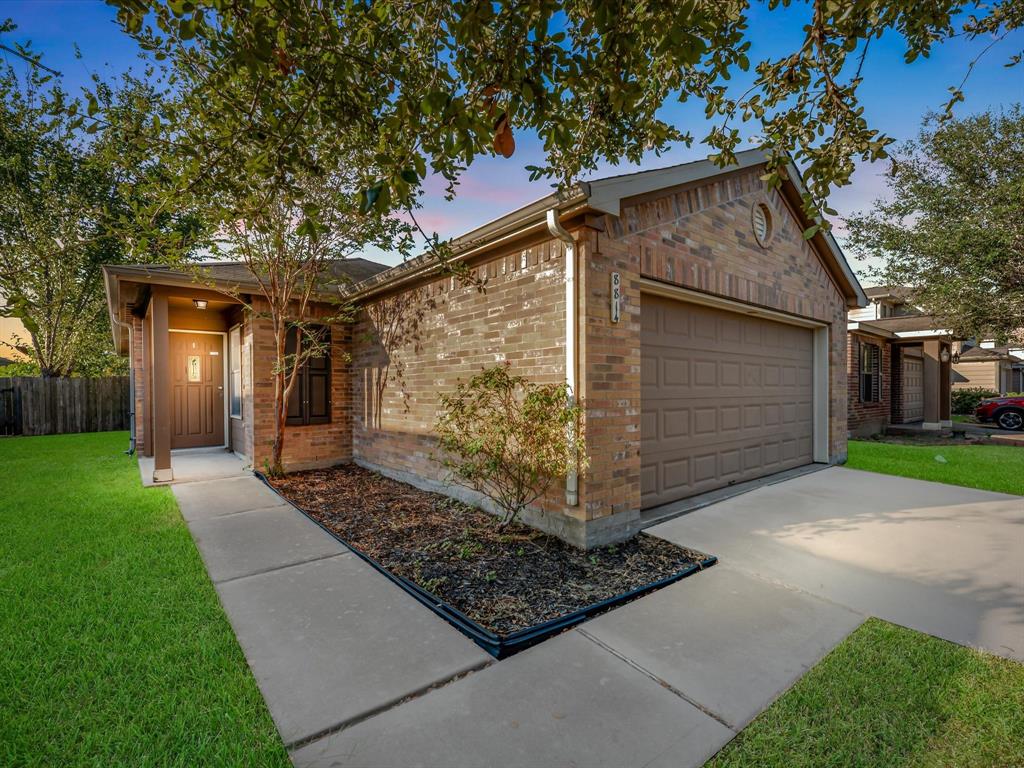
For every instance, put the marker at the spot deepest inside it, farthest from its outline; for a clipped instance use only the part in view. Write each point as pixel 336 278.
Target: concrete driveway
pixel 941 559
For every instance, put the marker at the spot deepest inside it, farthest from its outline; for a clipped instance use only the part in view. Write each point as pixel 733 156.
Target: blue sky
pixel 895 96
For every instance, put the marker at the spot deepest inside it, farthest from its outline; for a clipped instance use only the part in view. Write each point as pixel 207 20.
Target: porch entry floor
pixel 189 465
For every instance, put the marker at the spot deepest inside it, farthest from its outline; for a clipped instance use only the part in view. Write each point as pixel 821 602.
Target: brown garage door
pixel 726 397
pixel 913 389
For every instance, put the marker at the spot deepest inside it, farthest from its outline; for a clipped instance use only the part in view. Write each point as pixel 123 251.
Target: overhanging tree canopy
pixel 431 84
pixel 952 226
pixel 67 200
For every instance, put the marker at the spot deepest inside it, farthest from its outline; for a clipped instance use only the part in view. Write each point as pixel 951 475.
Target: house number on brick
pixel 616 295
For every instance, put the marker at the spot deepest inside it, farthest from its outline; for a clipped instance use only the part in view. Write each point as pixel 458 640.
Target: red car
pixel 1007 412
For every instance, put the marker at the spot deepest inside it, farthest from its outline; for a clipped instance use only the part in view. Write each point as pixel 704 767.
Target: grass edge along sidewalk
pixel 997 468
pixel 890 696
pixel 114 649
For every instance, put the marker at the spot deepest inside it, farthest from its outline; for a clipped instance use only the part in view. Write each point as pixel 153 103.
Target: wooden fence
pixel 37 406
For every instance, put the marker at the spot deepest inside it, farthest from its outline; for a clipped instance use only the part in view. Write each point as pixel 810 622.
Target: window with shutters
pixel 310 400
pixel 870 373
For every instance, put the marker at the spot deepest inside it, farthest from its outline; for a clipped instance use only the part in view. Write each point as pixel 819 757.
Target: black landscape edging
pixel 499 646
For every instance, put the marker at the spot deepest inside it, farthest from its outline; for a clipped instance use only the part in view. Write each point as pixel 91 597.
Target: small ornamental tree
pixel 509 439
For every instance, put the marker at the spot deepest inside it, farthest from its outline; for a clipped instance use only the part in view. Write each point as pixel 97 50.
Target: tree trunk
pixel 280 418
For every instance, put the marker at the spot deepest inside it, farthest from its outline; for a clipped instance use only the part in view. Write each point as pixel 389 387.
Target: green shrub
pixel 508 438
pixel 967 399
pixel 19 369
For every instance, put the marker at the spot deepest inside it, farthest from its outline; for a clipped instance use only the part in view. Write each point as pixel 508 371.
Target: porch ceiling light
pixel 200 303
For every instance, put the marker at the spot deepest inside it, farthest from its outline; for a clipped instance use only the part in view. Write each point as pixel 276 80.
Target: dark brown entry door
pixel 197 389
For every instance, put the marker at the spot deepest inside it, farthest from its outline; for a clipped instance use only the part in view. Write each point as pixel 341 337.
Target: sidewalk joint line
pixel 663 683
pixel 385 707
pixel 239 512
pixel 274 568
pixel 789 587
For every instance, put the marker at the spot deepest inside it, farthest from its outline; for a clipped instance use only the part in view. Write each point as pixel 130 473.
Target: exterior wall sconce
pixel 200 303
pixel 956 358
pixel 944 355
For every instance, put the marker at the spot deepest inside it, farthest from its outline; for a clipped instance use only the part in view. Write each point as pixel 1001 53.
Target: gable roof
pixel 228 273
pixel 606 195
pixel 982 355
pixel 900 292
pixel 235 273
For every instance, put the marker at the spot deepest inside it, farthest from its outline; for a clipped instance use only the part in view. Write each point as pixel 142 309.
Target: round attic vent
pixel 761 219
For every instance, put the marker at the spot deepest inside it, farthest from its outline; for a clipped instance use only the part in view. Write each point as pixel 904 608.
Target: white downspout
pixel 572 496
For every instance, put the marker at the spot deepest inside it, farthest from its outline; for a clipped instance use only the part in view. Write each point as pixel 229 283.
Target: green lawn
pixel 887 697
pixel 113 647
pixel 990 467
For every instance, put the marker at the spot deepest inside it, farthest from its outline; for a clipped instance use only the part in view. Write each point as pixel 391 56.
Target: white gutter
pixel 572 496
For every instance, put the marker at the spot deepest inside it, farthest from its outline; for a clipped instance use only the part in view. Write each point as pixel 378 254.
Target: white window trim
pixel 241 402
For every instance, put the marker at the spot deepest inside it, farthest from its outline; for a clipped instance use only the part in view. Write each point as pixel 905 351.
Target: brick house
pixel 705 335
pixel 899 364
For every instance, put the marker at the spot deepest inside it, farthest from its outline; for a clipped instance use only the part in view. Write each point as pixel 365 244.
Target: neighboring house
pixel 883 301
pixel 899 363
pixel 987 366
pixel 13 337
pixel 705 335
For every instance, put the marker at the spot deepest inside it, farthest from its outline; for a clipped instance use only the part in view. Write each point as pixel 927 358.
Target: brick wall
pixel 410 347
pixel 305 447
pixel 870 417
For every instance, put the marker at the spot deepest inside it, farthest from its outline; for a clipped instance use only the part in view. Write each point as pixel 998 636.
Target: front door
pixel 197 389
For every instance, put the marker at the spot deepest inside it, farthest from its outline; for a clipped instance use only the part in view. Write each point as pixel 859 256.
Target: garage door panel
pixel 737 404
pixel 675 423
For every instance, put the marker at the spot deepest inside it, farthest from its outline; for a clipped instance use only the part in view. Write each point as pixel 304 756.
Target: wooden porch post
pixel 945 385
pixel 161 378
pixel 147 382
pixel 932 388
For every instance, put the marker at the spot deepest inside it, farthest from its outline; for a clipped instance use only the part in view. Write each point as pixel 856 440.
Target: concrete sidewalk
pixel 329 639
pixel 355 672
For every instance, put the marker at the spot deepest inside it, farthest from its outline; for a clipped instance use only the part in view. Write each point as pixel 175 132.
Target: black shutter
pixel 862 372
pixel 310 401
pixel 296 415
pixel 318 385
pixel 876 373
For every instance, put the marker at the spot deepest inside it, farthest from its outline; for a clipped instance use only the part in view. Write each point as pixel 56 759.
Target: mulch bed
pixel 505 580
